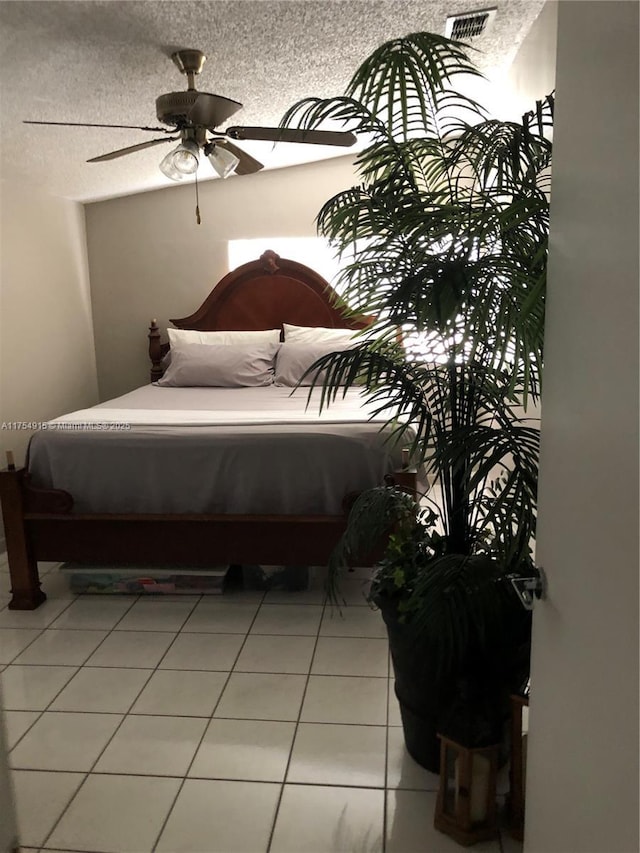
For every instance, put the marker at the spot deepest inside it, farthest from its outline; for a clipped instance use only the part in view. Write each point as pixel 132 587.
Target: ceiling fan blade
pixel 247 165
pixel 131 149
pixel 289 134
pixel 88 124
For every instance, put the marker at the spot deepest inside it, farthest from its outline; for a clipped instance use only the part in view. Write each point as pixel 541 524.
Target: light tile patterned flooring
pixel 245 723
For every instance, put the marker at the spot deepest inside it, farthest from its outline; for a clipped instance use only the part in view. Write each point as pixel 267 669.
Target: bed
pixel 185 473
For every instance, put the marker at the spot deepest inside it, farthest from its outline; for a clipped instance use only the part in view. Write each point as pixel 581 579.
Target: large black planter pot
pixel 471 707
pixel 421 703
pixel 420 738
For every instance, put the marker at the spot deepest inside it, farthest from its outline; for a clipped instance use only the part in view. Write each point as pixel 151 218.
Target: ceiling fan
pixel 195 118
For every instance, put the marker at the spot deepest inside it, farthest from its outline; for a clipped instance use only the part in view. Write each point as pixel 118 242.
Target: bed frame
pixel 40 525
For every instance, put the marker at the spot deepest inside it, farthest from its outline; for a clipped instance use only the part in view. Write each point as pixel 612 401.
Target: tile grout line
pixel 135 699
pixel 295 731
pixel 260 608
pixel 351 785
pixel 206 728
pixel 27 730
pixel 66 808
pixel 386 757
pixel 37 637
pixel 39 711
pixel 50 628
pixel 124 716
pixel 81 665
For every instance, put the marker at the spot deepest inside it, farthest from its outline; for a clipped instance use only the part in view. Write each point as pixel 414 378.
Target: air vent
pixel 469 25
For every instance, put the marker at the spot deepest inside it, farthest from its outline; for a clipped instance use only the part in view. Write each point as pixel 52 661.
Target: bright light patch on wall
pixel 426 347
pixel 312 251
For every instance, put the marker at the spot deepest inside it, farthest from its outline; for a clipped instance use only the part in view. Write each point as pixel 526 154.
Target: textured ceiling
pixel 108 61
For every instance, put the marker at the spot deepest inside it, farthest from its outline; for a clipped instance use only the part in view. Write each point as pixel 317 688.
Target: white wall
pixel 582 786
pixel 149 259
pixel 532 73
pixel 47 358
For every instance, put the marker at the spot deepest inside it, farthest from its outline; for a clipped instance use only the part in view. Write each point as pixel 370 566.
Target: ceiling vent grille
pixel 469 25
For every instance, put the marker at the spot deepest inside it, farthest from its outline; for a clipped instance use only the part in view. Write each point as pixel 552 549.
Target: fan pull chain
pixel 198 220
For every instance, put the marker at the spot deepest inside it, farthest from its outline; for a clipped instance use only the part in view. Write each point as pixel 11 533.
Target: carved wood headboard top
pixel 262 294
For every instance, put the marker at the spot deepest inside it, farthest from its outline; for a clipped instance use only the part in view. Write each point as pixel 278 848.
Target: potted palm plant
pixel 445 242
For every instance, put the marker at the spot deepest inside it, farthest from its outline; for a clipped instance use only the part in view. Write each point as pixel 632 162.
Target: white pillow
pixel 316 334
pixel 179 337
pixel 294 359
pixel 221 365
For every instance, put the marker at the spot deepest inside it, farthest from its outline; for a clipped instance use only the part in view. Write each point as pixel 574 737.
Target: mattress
pixel 260 450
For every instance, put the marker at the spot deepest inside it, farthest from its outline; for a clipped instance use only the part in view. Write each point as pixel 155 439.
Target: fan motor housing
pixel 174 108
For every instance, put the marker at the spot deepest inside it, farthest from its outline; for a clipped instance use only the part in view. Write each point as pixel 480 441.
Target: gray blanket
pixel 218 450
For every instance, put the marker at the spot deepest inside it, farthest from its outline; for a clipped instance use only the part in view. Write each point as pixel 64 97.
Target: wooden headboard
pixel 262 294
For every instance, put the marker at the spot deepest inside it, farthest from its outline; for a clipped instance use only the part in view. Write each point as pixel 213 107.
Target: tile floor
pixel 245 723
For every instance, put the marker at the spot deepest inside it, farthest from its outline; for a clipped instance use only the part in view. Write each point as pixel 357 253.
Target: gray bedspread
pixel 218 450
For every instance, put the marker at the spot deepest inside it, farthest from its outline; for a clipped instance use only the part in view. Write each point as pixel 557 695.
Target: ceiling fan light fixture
pixel 169 170
pixel 181 162
pixel 223 161
pixel 186 157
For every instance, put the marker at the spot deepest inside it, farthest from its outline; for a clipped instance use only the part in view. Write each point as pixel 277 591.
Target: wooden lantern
pixel 466 806
pixel 518 765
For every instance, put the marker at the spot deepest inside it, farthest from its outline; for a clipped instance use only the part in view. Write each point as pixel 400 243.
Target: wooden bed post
pixel 23 568
pixel 406 478
pixel 155 351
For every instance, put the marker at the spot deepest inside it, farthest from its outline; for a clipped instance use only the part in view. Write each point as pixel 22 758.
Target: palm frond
pixel 503 155
pixel 541 116
pixel 310 113
pixel 371 519
pixel 407 83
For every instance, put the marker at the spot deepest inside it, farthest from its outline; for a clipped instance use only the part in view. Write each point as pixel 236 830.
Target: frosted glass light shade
pixel 181 162
pixel 223 161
